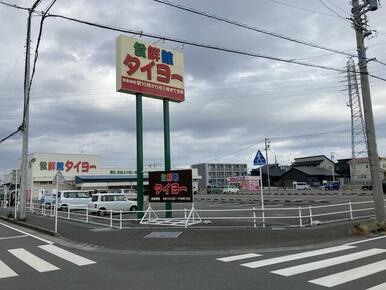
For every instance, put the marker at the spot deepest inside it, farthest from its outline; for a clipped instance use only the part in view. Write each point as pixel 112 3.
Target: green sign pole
pixel 139 155
pixel 168 204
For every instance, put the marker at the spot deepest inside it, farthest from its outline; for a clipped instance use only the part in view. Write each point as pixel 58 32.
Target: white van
pixel 230 189
pixel 105 202
pixel 73 199
pixel 302 185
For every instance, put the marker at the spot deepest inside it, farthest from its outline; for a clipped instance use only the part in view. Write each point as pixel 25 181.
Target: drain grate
pixel 163 235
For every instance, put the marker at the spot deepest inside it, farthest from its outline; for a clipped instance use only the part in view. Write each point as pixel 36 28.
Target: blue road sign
pixel 259 159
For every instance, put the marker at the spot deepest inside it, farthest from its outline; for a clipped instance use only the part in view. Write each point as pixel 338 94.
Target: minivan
pixel 302 185
pixel 104 202
pixel 73 199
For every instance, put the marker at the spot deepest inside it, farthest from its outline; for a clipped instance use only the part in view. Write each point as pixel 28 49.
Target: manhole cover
pixel 163 235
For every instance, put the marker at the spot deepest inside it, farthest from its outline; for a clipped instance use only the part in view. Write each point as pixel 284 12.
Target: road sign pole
pixel 56 202
pixel 168 204
pixel 139 155
pixel 262 197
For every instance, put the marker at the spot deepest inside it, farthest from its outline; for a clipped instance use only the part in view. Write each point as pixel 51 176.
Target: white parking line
pixel 350 275
pixel 66 255
pixel 13 237
pixel 298 256
pixel 6 271
pixel 238 257
pixel 25 233
pixel 327 263
pixel 33 261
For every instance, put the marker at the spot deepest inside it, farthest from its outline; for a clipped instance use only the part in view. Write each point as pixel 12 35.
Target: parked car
pixel 332 185
pixel 104 202
pixel 230 189
pixel 73 199
pixel 131 194
pixel 48 200
pixel 302 185
pixel 370 187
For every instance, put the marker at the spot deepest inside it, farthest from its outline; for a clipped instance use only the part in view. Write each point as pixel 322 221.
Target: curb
pixel 29 226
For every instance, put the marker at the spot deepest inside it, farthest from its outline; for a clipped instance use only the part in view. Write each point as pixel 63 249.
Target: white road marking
pixel 6 271
pixel 66 255
pixel 298 256
pixel 238 257
pixel 33 261
pixel 327 263
pixel 13 237
pixel 25 233
pixel 350 275
pixel 378 287
pixel 364 241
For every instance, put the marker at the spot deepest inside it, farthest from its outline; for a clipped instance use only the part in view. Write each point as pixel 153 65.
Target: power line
pixel 246 26
pixel 301 8
pixel 10 135
pixel 333 11
pixel 192 43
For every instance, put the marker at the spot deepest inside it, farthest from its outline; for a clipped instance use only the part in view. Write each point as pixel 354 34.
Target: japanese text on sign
pixel 170 186
pixel 80 166
pixel 150 70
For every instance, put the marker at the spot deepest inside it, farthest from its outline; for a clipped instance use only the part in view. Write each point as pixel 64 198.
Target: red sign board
pixel 174 185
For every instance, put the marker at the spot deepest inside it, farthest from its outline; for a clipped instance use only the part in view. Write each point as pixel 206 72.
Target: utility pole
pixel 333 165
pixel 267 143
pixel 25 124
pixel 360 25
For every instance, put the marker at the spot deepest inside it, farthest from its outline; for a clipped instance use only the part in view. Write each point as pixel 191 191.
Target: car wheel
pixel 133 208
pixel 102 212
pixel 64 208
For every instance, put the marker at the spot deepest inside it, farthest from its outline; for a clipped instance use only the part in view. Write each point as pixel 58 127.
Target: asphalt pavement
pixel 30 260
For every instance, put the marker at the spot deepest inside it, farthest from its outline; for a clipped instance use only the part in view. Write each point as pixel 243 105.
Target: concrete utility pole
pixel 333 165
pixel 267 143
pixel 25 124
pixel 360 23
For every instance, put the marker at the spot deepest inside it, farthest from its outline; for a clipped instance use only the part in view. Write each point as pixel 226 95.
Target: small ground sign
pixel 174 185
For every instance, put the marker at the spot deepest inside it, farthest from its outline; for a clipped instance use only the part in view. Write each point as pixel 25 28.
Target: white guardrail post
pixel 254 217
pixel 111 218
pixel 44 210
pixel 351 213
pixel 68 212
pixel 300 217
pixel 310 212
pixel 120 219
pixel 263 217
pixel 185 216
pixel 86 215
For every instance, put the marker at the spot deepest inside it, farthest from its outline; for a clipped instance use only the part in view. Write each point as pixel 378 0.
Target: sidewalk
pixel 194 238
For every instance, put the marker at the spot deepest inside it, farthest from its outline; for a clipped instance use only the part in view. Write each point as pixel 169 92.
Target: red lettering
pixel 163 72
pixel 147 68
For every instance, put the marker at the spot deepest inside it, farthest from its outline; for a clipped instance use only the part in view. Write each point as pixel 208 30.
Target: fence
pixel 246 217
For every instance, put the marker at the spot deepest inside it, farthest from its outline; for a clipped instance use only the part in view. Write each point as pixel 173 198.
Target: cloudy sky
pixel 232 102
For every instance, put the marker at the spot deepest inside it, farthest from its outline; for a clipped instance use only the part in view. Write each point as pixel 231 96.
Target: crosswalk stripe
pixel 350 275
pixel 327 263
pixel 33 261
pixel 298 256
pixel 66 255
pixel 378 287
pixel 238 257
pixel 6 271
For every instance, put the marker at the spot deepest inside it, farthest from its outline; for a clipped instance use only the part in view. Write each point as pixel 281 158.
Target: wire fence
pixel 255 217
